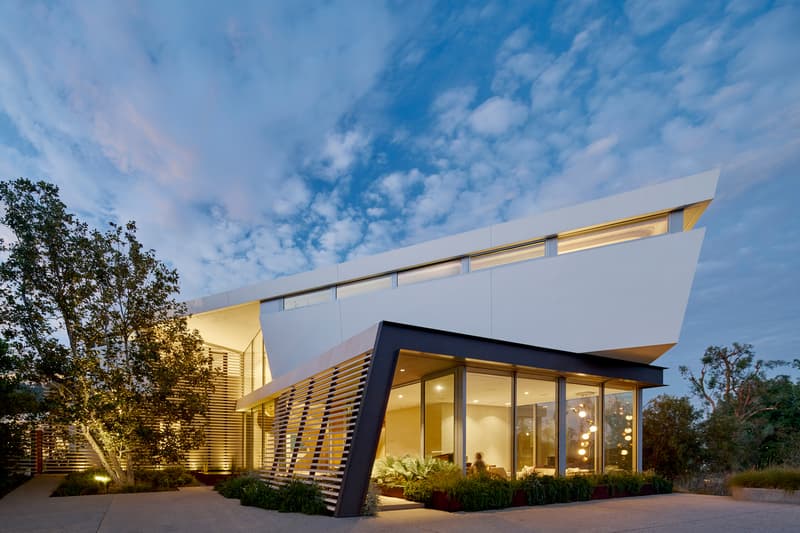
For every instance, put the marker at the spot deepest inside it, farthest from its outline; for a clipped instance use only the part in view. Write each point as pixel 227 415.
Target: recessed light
pixel 439 388
pixel 402 370
pixel 400 396
pixel 475 401
pixel 526 393
pixel 508 403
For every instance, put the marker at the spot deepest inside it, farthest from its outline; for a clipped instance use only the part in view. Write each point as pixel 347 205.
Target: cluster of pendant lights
pixel 589 428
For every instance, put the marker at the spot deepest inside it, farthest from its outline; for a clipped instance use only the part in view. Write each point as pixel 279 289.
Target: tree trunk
pixel 116 473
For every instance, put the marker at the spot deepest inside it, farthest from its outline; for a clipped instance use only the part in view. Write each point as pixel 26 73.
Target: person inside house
pixel 478 468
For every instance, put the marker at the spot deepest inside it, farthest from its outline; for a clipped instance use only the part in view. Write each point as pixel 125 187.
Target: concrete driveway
pixel 199 509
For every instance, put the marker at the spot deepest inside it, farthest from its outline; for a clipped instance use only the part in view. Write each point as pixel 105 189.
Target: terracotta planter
pixel 442 501
pixel 519 499
pixel 392 492
pixel 601 492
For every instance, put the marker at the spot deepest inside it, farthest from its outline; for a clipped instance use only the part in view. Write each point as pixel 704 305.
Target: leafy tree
pixel 731 376
pixel 19 406
pixel 671 443
pixel 94 316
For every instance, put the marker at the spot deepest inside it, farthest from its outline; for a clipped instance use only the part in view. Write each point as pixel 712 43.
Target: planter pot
pixel 601 492
pixel 766 495
pixel 442 501
pixel 392 492
pixel 519 499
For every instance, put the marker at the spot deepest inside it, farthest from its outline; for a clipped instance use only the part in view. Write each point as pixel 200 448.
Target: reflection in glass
pixel 306 299
pixel 613 234
pixel 488 422
pixel 618 431
pixel 362 287
pixel 439 270
pixel 504 257
pixel 536 427
pixel 582 421
pixel 439 423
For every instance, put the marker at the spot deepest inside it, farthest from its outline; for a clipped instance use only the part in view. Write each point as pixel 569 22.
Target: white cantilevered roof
pixel 696 190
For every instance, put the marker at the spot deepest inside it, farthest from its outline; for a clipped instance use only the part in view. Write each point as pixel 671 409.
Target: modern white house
pixel 528 341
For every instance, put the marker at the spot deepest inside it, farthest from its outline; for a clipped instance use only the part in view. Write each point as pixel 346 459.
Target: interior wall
pixel 402 432
pixel 489 432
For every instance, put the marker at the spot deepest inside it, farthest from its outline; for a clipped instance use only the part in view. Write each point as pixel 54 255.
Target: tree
pixel 731 376
pixel 19 407
pixel 94 316
pixel 671 444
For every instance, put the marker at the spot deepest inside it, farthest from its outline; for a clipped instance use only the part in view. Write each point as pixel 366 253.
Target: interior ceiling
pixel 487 389
pixel 231 327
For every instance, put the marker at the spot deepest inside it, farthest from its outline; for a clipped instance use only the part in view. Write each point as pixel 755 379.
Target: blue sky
pixel 251 140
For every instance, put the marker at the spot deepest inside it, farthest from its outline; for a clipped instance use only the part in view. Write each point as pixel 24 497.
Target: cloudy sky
pixel 251 140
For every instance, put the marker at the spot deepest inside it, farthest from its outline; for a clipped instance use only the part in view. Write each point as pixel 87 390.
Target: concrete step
pixel 387 503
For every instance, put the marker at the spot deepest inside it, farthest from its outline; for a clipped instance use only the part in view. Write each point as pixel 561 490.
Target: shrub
pixel 398 471
pixel 482 492
pixel 300 497
pixel 233 487
pixel 370 507
pixel 419 491
pixel 166 478
pixel 771 478
pixel 256 493
pixel 80 483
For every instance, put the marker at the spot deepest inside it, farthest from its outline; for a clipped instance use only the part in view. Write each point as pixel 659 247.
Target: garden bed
pixel 766 495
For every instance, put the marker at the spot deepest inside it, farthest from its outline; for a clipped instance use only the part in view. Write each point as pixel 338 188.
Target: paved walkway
pixel 199 509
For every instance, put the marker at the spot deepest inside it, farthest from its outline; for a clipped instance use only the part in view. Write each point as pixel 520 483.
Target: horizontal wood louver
pixel 223 425
pixel 308 435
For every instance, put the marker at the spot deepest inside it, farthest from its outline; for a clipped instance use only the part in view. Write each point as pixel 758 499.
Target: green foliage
pixel 295 496
pixel 420 490
pixel 93 316
pixel 20 405
pixel 257 494
pixel 81 483
pixel 478 493
pixel 619 483
pixel 398 471
pixel 300 497
pixel 166 478
pixel 772 478
pixel 370 507
pixel 234 486
pixel 671 444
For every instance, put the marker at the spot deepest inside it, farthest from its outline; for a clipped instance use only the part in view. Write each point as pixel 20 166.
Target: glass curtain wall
pixel 488 423
pixel 618 420
pixel 401 427
pixel 439 419
pixel 582 424
pixel 536 426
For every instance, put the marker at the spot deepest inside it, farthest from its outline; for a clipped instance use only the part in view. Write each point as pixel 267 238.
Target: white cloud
pixel 647 16
pixel 341 150
pixel 497 115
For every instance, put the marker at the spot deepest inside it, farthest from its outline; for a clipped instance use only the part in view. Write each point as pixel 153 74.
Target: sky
pixel 251 140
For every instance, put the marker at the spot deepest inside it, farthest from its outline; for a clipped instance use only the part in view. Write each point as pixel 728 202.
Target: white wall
pixel 623 295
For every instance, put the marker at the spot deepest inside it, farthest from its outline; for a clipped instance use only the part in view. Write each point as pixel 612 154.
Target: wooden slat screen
pixel 308 436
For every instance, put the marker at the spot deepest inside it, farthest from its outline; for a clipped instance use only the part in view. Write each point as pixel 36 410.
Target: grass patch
pixel 771 478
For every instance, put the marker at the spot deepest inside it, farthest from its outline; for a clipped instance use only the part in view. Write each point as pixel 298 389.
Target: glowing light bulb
pixel 624 452
pixel 592 428
pixel 629 417
pixel 585 436
pixel 627 437
pixel 581 452
pixel 628 430
pixel 582 414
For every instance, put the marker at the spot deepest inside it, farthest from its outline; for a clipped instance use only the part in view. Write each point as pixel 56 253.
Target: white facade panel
pixel 624 295
pixel 295 337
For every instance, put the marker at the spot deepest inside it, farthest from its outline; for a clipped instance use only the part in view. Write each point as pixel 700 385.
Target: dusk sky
pixel 251 140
